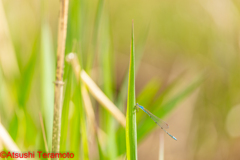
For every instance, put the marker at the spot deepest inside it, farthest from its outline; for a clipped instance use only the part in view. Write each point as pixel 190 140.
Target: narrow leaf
pixel 131 127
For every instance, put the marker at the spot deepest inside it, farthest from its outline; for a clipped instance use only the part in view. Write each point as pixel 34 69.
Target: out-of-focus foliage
pixel 176 41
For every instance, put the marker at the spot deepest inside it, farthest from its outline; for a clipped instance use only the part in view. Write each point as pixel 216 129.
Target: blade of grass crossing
pixel 131 127
pixel 92 125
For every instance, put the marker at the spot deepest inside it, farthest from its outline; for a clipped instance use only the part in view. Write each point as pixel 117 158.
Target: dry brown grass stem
pixel 8 141
pixel 58 93
pixel 89 110
pixel 43 131
pixel 95 90
pixel 101 135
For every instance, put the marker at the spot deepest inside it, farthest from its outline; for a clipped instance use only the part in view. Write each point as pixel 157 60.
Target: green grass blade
pixel 27 76
pixel 78 101
pixel 148 93
pixel 166 92
pixel 65 112
pixel 83 126
pixel 122 96
pixel 100 151
pixel 75 125
pixel 97 21
pixel 47 78
pixel 131 127
pixel 107 121
pixel 121 99
pixel 75 28
pixel 93 45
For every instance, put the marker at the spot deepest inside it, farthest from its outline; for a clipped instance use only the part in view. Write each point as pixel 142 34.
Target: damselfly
pixel 157 120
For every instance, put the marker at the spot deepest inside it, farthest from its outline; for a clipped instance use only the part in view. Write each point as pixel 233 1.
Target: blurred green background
pixel 177 42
